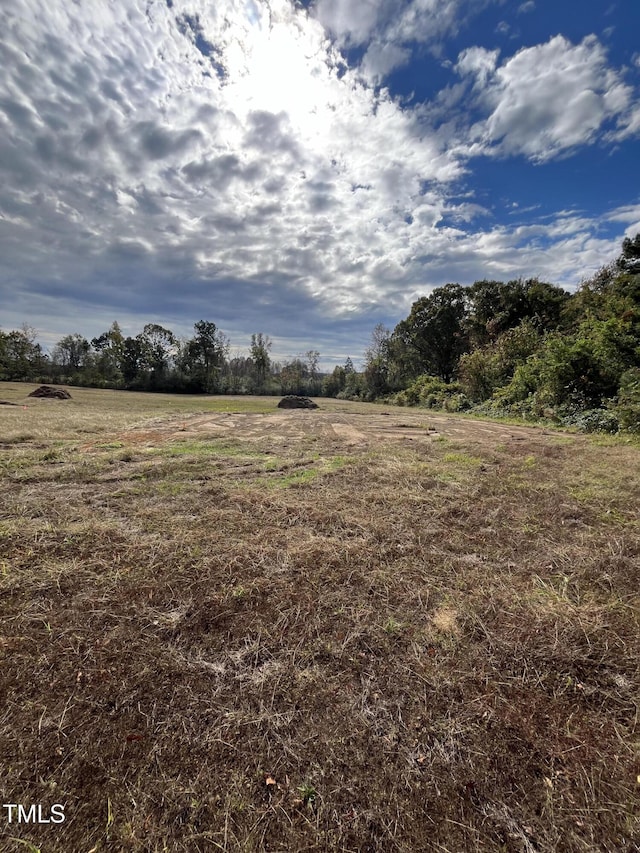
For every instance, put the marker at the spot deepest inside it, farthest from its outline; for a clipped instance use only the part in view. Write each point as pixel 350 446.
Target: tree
pixel 377 361
pixel 132 360
pixel 21 358
pixel 157 345
pixel 260 347
pixel 629 260
pixel 202 357
pixel 334 383
pixel 313 357
pixel 294 377
pixel 494 307
pixel 109 345
pixel 433 337
pixel 71 353
pixel 487 368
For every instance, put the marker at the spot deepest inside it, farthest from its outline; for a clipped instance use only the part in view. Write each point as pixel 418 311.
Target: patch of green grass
pixel 308 794
pixel 297 478
pixel 463 459
pixel 206 448
pixel 393 627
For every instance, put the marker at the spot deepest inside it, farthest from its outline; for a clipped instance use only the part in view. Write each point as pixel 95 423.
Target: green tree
pixel 294 377
pixel 487 368
pixel 71 353
pixel 334 383
pixel 377 362
pixel 21 358
pixel 157 345
pixel 109 347
pixel 629 260
pixel 202 358
pixel 433 337
pixel 132 360
pixel 260 348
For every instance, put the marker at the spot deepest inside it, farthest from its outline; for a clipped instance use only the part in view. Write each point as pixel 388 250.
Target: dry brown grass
pixel 296 639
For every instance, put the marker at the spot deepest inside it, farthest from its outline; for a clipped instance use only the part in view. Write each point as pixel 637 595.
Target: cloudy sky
pixel 305 169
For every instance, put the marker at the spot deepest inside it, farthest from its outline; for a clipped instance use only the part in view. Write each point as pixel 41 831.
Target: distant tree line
pixel 157 360
pixel 523 347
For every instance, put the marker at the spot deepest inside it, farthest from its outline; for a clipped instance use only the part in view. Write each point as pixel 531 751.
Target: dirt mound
pixel 49 393
pixel 292 401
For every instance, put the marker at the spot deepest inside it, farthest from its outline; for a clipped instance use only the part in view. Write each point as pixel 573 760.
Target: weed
pixel 393 626
pixel 308 794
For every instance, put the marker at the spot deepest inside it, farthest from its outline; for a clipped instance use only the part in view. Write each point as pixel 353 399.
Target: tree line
pixel 157 360
pixel 523 347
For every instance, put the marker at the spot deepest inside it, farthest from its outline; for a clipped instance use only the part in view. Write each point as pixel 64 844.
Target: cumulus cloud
pixel 546 99
pixel 229 145
pixel 187 160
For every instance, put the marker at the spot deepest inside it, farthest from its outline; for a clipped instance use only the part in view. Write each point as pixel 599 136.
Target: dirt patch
pixel 46 392
pixel 346 429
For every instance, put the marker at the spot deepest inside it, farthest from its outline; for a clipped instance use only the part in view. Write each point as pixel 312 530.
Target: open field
pixel 226 626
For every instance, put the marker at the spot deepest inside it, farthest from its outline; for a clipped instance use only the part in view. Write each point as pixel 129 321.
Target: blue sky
pixel 306 169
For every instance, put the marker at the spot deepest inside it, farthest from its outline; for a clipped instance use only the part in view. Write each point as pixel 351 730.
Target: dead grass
pixel 292 639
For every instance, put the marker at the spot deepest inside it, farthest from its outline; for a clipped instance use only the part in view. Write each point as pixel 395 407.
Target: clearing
pixel 361 628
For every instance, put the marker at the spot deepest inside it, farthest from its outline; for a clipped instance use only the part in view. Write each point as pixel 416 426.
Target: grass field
pixel 230 627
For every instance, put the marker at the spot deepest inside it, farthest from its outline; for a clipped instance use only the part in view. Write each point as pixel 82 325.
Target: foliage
pixel 433 393
pixel 260 348
pixel 433 337
pixel 487 368
pixel 627 404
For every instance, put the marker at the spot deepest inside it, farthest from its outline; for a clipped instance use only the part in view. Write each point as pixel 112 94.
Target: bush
pixel 627 406
pixel 433 393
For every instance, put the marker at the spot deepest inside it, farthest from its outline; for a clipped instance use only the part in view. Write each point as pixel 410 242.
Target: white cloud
pixel 183 166
pixel 259 162
pixel 546 99
pixel 380 59
pixel 352 22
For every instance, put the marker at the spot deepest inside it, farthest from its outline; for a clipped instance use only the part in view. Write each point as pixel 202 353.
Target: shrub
pixel 627 406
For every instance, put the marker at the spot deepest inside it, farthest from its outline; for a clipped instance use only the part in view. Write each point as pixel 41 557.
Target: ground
pixel 361 628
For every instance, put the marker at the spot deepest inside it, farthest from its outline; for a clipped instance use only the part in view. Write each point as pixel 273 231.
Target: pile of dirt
pixel 49 393
pixel 292 401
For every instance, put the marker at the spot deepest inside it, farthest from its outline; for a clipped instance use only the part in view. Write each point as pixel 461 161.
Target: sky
pixel 306 169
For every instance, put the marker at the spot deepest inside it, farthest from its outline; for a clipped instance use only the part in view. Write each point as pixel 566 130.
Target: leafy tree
pixel 21 358
pixel 109 346
pixel 132 360
pixel 202 358
pixel 627 406
pixel 377 362
pixel 629 260
pixel 433 337
pixel 294 377
pixel 260 348
pixel 495 307
pixel 487 368
pixel 157 345
pixel 335 382
pixel 314 385
pixel 71 353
